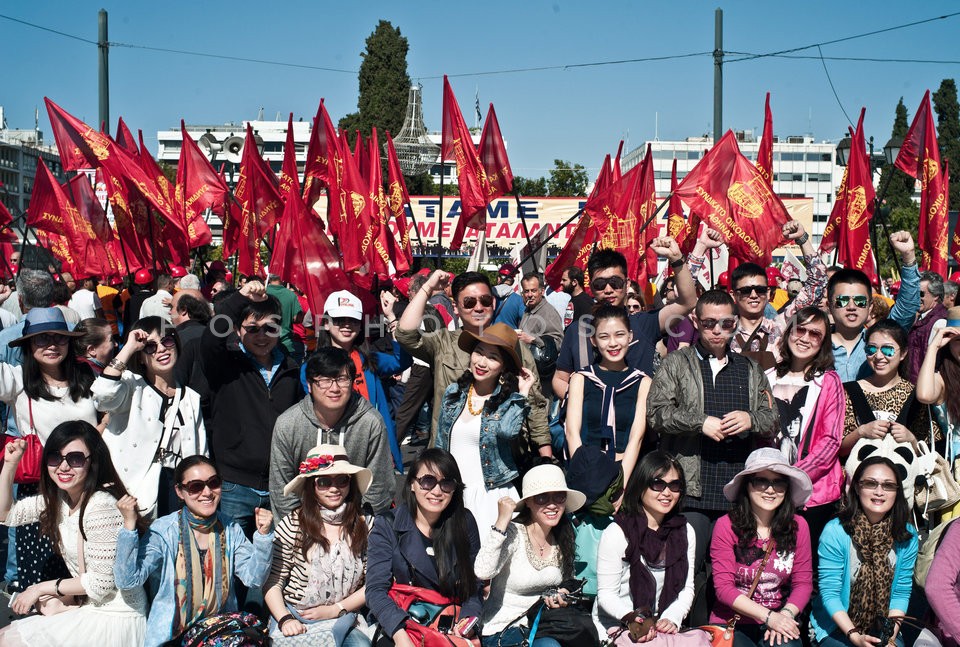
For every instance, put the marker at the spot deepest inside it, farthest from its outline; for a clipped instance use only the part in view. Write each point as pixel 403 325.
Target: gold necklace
pixel 540 547
pixel 473 412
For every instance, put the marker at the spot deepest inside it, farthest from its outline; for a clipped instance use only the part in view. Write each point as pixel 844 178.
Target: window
pixel 818 177
pixel 818 157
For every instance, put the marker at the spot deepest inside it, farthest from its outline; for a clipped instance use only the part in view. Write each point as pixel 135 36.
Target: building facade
pixel 20 154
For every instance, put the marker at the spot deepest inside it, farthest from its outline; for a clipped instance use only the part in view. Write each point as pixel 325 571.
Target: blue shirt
pixel 276 358
pixel 853 366
pixel 511 311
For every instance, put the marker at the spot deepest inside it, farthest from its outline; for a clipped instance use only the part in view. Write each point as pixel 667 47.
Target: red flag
pixel 379 250
pixel 356 227
pixel 199 187
pixel 457 144
pixel 493 157
pixel 616 173
pixel 125 139
pixel 289 176
pixel 397 200
pixel 677 226
pixel 81 193
pixel 258 195
pixel 732 196
pixel 80 145
pixel 765 152
pixel 919 158
pixel 848 228
pixel 316 170
pixel 648 206
pixel 176 231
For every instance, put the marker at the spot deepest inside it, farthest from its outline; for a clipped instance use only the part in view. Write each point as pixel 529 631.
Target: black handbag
pixel 571 626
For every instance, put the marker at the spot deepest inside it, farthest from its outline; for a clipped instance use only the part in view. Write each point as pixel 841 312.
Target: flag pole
pixel 440 213
pixel 526 231
pixel 883 222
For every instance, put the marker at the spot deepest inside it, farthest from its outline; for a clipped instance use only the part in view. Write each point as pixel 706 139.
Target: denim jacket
pixel 496 432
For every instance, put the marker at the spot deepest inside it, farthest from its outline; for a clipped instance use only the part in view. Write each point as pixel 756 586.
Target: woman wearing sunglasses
pixel 866 559
pixel 606 404
pixel 482 414
pixel 77 510
pixel 529 558
pixel 809 397
pixel 430 540
pixel 191 556
pixel 762 562
pixel 51 386
pixel 883 403
pixel 646 558
pixel 154 422
pixel 315 587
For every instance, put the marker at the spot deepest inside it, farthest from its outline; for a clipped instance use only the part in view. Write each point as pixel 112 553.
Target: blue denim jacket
pixel 496 432
pixel 154 555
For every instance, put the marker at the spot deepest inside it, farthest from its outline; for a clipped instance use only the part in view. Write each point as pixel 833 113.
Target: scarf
pixel 360 383
pixel 666 547
pixel 870 593
pixel 333 517
pixel 200 589
pixel 608 411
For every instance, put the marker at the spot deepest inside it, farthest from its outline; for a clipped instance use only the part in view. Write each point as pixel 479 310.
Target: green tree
pixel 899 191
pixel 384 84
pixel 948 131
pixel 421 184
pixel 567 180
pixel 530 187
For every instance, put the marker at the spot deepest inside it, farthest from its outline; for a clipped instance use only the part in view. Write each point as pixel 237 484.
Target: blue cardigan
pixel 836 578
pixel 153 557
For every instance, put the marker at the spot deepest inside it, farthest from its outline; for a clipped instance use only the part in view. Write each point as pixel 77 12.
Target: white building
pixel 20 154
pixel 802 168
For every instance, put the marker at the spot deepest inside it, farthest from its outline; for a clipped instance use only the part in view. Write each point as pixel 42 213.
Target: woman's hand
pixel 943 337
pixel 901 434
pixel 863 640
pixel 264 520
pixel 505 509
pixel 136 340
pixel 386 304
pixel 127 505
pixel 556 600
pixel 321 612
pixel 525 381
pixel 14 452
pixel 874 430
pixel 26 599
pixel 293 628
pixel 783 624
pixel 665 627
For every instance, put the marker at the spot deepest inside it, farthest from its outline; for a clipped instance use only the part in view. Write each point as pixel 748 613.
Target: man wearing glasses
pixel 710 406
pixel 332 413
pixel 849 295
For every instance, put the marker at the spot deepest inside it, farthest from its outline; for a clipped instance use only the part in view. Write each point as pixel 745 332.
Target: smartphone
pixel 445 624
pixel 469 624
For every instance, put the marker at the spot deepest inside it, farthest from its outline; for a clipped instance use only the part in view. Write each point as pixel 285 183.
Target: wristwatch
pixel 342 610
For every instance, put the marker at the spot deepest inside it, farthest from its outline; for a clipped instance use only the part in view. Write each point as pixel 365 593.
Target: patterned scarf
pixel 665 547
pixel 200 589
pixel 870 593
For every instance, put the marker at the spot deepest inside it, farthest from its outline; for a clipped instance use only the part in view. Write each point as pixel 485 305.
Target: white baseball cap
pixel 343 304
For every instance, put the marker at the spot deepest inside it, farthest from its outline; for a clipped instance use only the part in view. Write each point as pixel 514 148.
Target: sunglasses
pixel 271 329
pixel 337 480
pixel 922 294
pixel 44 339
pixel 725 324
pixel 151 347
pixel 428 481
pixel 779 485
pixel 344 322
pixel 615 282
pixel 888 350
pixel 193 488
pixel 747 290
pixel 659 485
pixel 74 459
pixel 324 383
pixel 841 300
pixel 556 498
pixel 486 300
pixel 799 332
pixel 873 484
pixel 633 307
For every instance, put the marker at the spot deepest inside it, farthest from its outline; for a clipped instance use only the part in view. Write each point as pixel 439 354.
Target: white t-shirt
pixel 85 303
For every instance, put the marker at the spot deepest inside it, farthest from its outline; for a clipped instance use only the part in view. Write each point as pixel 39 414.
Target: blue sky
pixel 576 114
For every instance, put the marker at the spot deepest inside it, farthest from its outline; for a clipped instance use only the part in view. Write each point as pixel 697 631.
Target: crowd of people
pixel 500 463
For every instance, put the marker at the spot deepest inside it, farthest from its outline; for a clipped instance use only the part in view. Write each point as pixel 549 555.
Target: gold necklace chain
pixel 477 411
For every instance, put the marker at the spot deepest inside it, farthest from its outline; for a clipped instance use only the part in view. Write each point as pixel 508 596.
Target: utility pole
pixel 103 49
pixel 717 75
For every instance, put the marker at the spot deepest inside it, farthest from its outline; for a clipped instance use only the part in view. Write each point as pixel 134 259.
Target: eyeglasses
pixel 779 485
pixel 888 350
pixel 556 498
pixel 44 339
pixel 659 485
pixel 747 290
pixel 74 459
pixel 841 300
pixel 167 341
pixel 725 324
pixel 324 383
pixel 429 481
pixel 634 307
pixel 486 300
pixel 799 332
pixel 615 282
pixel 337 480
pixel 271 329
pixel 873 484
pixel 193 488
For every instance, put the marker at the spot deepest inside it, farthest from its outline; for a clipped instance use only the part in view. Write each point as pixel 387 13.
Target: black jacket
pixel 243 409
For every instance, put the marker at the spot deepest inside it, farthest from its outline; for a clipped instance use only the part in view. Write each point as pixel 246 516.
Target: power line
pixel 48 29
pixel 227 57
pixel 568 66
pixel 858 59
pixel 835 95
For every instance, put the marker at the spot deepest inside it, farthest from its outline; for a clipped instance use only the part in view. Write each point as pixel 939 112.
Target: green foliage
pixel 530 187
pixel 567 179
pixel 384 83
pixel 903 218
pixel 899 193
pixel 948 131
pixel 169 171
pixel 421 185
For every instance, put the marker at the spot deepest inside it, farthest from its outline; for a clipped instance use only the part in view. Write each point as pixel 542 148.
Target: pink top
pixel 733 575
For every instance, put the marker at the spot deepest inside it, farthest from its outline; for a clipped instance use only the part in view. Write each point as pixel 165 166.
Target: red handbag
pixel 429 634
pixel 28 469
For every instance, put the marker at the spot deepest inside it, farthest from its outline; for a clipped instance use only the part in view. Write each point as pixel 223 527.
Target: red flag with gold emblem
pixel 356 229
pixel 317 168
pixel 397 201
pixel 765 152
pixel 732 197
pixel 81 193
pixel 289 175
pixel 199 187
pixel 179 236
pixel 919 158
pixel 677 226
pixel 493 157
pixel 257 193
pixel 379 250
pixel 457 144
pixel 648 205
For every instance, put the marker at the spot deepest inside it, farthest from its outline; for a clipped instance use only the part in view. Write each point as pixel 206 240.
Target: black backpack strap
pixel 861 408
pixel 910 411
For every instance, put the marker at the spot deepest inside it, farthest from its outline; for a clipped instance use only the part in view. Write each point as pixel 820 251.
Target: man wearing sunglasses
pixel 849 295
pixel 711 406
pixel 932 315
pixel 758 337
pixel 473 302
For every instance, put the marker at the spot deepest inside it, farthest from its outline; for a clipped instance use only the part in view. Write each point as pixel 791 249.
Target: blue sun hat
pixel 44 320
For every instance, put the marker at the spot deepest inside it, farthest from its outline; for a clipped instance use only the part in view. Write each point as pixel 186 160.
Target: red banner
pixel 765 152
pixel 199 187
pixel 493 157
pixel 457 144
pixel 378 253
pixel 320 149
pixel 677 226
pixel 397 199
